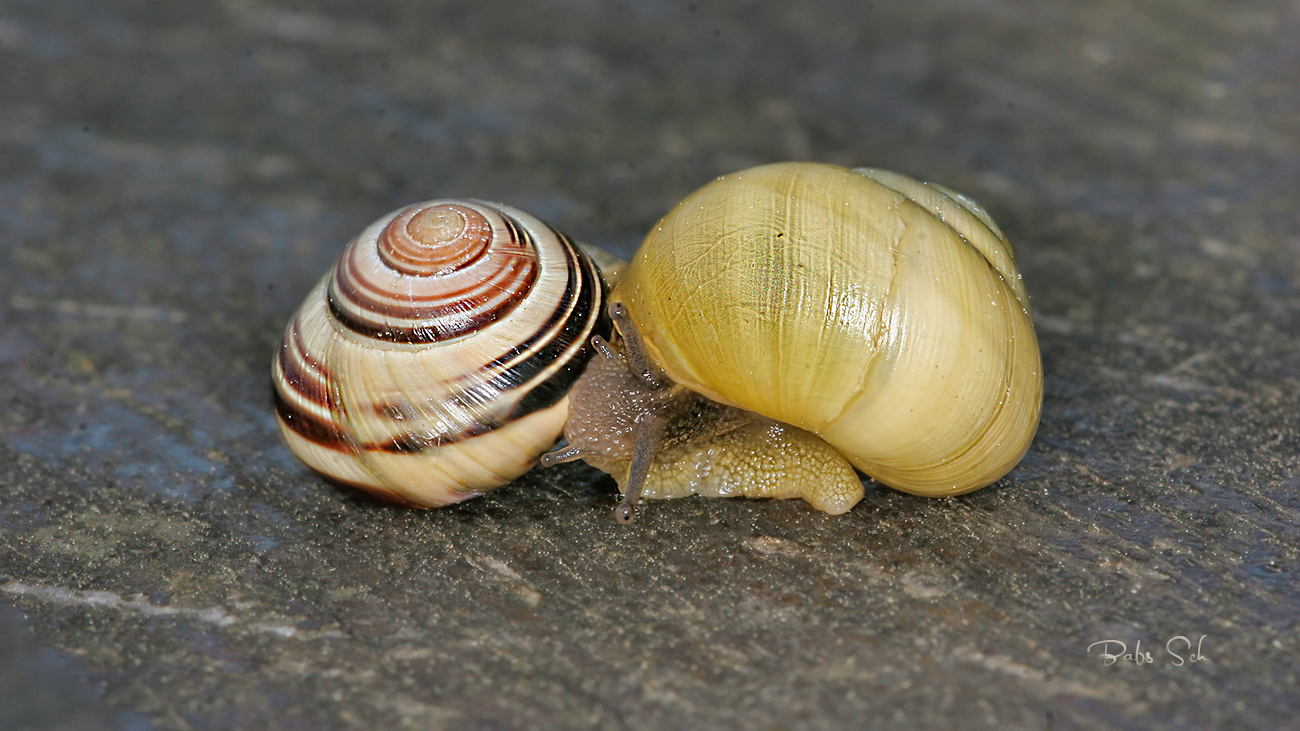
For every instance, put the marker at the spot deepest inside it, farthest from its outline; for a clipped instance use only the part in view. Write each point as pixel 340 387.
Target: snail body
pixel 432 363
pixel 881 316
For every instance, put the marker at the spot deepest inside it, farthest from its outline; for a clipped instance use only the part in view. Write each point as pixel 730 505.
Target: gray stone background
pixel 174 175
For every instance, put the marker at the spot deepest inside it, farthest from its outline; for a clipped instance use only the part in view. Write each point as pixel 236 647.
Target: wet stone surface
pixel 174 177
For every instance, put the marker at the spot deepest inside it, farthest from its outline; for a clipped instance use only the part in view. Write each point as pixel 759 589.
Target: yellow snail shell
pixel 432 363
pixel 808 311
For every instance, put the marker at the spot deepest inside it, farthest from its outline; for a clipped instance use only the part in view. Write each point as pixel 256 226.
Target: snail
pixel 432 362
pixel 779 329
pixel 786 324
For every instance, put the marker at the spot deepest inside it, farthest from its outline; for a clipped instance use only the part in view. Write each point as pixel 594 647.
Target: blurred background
pixel 175 176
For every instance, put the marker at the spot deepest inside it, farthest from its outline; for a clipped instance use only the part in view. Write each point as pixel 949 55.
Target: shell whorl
pixel 433 362
pixel 435 239
pixel 434 272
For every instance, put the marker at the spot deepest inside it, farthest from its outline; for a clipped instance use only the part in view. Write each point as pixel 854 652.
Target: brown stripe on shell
pixel 435 239
pixel 446 304
pixel 413 302
pixel 329 435
pixel 404 444
pixel 491 298
pixel 571 323
pixel 301 372
pixel 351 282
pixel 311 427
pixel 547 393
pixel 408 443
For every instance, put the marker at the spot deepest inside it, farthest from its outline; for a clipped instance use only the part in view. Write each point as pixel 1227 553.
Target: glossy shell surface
pixel 432 363
pixel 883 314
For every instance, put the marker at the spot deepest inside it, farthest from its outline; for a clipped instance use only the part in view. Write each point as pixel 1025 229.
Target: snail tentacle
pixel 560 455
pixel 634 350
pixel 648 435
pixel 619 411
pixel 604 348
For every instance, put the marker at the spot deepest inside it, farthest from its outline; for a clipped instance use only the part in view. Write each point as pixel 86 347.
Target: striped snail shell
pixel 432 363
pixel 786 324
